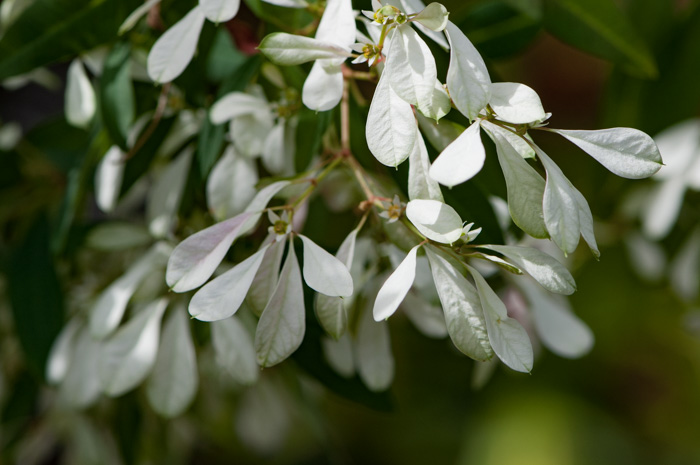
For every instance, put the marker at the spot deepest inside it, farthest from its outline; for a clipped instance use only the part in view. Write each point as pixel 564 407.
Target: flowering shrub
pixel 279 137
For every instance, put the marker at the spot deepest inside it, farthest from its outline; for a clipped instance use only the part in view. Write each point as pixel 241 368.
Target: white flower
pixel 281 226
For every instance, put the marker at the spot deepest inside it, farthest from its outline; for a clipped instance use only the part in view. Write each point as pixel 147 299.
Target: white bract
pixel 435 220
pixel 267 127
pixel 80 96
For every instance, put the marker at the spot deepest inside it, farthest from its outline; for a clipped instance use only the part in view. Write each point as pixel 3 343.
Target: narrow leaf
pixel 164 197
pixel 390 128
pixel 546 270
pixel 59 358
pixel 525 185
pixel 508 338
pixel 174 50
pixel 235 104
pixel 266 278
pixel 467 77
pixel 127 358
pixel 420 184
pixel 80 96
pixel 331 311
pixel 464 316
pixel 289 49
pixel 560 207
pixel 231 184
pixel 323 88
pixel 396 287
pixel 195 259
pixel 412 73
pixel 375 362
pixel 108 179
pixel 281 327
pixel 323 272
pixel 174 380
pixel 559 329
pixel 627 152
pixel 109 308
pixel 234 350
pixel 222 297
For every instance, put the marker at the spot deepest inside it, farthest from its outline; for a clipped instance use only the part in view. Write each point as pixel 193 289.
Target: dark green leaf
pixel 310 130
pixel 211 137
pixel 54 30
pixel 116 94
pixel 35 295
pixel 498 30
pixel 602 29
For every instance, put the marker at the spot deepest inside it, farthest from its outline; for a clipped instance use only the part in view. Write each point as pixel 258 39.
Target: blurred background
pixel 634 399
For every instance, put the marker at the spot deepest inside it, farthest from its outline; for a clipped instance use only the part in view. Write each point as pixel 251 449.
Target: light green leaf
pixel 195 259
pixel 223 296
pixel 282 325
pixel 391 127
pixel 525 185
pixel 164 198
pixel 108 179
pixel 559 329
pixel 80 96
pixel 375 362
pixel 174 50
pixel 231 184
pixel 323 272
pixel 464 316
pixel 546 270
pixel 59 359
pixel 173 383
pixel 289 49
pixel 332 311
pixel 508 338
pixel 427 318
pixel 560 206
pixel 110 306
pixel 136 15
pixel 266 279
pixel 234 350
pixel 412 73
pixel 467 77
pixel 339 355
pixel 420 184
pixel 627 152
pixel 235 104
pixel 127 358
pixel 81 386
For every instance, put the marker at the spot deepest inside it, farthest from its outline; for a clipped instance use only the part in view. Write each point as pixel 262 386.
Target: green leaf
pixel 211 136
pixel 54 30
pixel 35 295
pixel 312 125
pixel 600 28
pixel 499 30
pixel 116 94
